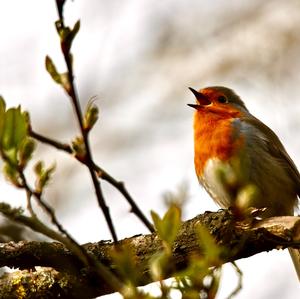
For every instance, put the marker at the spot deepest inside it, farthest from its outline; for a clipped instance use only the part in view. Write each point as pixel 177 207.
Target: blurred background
pixel 137 58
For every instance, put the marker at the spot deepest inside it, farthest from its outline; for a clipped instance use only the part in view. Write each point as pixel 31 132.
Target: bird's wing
pixel 276 148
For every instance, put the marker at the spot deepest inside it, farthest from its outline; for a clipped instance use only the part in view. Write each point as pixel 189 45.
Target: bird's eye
pixel 222 99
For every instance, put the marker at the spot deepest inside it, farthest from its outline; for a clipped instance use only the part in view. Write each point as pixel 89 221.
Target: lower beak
pixel 195 106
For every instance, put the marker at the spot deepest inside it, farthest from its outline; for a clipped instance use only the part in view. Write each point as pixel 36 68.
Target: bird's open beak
pixel 202 100
pixel 195 106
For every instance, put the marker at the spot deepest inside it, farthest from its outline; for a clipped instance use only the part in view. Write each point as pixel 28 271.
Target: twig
pixel 121 188
pixel 78 251
pixel 61 146
pixel 101 174
pixel 239 286
pixel 34 223
pixel 52 216
pixel 75 102
pixel 69 241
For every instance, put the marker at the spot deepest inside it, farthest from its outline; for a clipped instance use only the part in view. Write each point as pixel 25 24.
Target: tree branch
pixel 101 173
pixel 241 241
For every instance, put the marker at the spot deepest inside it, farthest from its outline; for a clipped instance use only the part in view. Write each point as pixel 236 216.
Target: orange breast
pixel 214 138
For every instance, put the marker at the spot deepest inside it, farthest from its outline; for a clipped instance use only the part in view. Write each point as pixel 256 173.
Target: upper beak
pixel 201 99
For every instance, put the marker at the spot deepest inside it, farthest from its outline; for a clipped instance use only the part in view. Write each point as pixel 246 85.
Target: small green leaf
pixel 65 82
pixel 157 222
pixel 125 264
pixel 208 245
pixel 91 116
pixel 60 29
pixel 43 175
pixel 66 35
pixel 51 69
pixel 38 168
pixel 79 148
pixel 74 32
pixel 2 106
pixel 2 115
pixel 15 129
pixel 159 265
pixel 11 174
pixel 26 150
pixel 167 228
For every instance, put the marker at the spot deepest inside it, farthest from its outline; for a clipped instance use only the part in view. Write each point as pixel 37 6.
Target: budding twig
pixel 101 173
pixel 71 90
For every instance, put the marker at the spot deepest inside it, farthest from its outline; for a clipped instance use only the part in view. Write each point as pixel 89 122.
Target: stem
pixel 66 238
pixel 61 146
pixel 121 188
pixel 102 174
pixel 88 156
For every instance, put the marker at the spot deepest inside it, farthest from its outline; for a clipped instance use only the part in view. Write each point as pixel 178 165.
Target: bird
pixel 235 151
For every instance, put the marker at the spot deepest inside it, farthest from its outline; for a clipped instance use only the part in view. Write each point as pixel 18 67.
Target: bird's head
pixel 218 100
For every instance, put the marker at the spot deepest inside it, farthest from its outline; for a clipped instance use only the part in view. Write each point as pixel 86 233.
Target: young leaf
pixel 167 227
pixel 38 168
pixel 26 150
pixel 43 175
pixel 2 115
pixel 91 116
pixel 74 32
pixel 79 148
pixel 66 35
pixel 11 174
pixel 159 265
pixel 124 261
pixel 15 129
pixel 208 244
pixel 51 69
pixel 65 82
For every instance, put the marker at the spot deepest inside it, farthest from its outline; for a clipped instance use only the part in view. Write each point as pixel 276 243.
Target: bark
pixel 60 274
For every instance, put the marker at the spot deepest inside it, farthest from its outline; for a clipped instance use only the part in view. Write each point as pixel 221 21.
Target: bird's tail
pixel 295 255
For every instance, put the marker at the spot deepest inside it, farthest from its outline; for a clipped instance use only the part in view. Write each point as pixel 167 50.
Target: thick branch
pixel 240 240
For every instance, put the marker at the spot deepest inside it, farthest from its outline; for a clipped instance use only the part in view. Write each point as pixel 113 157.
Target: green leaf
pixel 78 148
pixel 11 174
pixel 74 32
pixel 38 168
pixel 159 265
pixel 60 29
pixel 167 228
pixel 66 35
pixel 125 264
pixel 210 248
pixel 65 82
pixel 26 150
pixel 43 175
pixel 51 69
pixel 91 116
pixel 2 105
pixel 14 132
pixel 2 115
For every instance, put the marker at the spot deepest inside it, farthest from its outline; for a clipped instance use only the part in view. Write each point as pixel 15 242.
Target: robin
pixel 229 140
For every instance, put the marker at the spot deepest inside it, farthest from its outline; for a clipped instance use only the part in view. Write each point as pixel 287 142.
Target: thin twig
pixel 51 214
pixel 69 241
pixel 59 145
pixel 29 204
pixel 101 174
pixel 78 251
pixel 121 188
pixel 240 281
pixel 76 105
